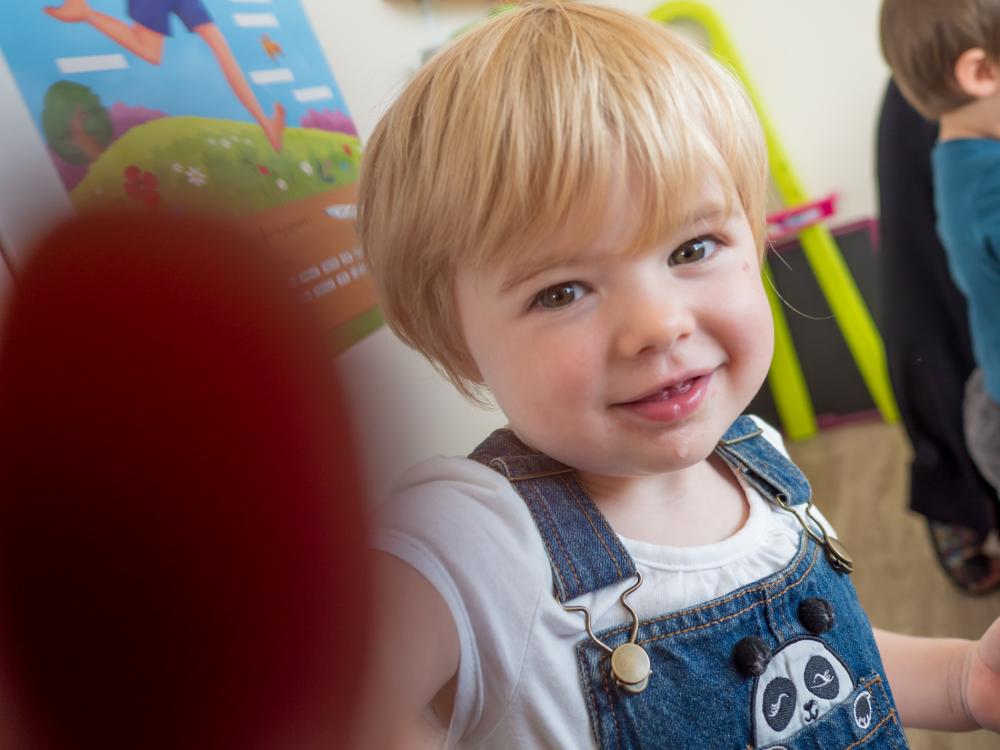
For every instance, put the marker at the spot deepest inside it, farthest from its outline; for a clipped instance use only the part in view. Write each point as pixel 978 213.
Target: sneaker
pixel 960 551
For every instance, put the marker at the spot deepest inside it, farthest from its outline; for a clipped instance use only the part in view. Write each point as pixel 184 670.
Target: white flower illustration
pixel 196 177
pixel 307 168
pixel 282 185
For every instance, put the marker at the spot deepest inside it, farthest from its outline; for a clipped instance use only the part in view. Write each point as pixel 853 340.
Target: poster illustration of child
pixel 151 24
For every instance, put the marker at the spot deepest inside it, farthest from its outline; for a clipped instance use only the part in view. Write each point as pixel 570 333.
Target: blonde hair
pixel 922 41
pixel 525 124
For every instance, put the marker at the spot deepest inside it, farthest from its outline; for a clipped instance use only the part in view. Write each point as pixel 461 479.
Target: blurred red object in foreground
pixel 182 557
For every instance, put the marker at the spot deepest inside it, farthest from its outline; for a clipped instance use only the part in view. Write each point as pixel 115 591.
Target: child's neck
pixel 701 504
pixel 980 120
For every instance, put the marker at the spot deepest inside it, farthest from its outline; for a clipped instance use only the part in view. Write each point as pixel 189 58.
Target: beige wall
pixel 815 64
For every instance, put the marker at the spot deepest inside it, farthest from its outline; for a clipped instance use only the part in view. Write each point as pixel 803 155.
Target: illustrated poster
pixel 219 105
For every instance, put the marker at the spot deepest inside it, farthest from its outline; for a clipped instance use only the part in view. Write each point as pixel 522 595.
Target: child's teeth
pixel 672 390
pixel 679 389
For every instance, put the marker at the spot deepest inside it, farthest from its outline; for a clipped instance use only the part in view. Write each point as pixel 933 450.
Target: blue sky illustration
pixel 188 81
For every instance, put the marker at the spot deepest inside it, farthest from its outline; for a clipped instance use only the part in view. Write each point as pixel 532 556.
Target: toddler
pixel 565 210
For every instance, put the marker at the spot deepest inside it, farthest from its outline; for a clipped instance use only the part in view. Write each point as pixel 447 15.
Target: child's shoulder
pixel 447 480
pixel 459 510
pixel 964 163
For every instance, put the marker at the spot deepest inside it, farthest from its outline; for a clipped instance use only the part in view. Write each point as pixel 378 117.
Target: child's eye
pixel 694 251
pixel 560 295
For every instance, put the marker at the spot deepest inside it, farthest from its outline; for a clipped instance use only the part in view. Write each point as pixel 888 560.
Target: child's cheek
pixel 757 333
pixel 562 371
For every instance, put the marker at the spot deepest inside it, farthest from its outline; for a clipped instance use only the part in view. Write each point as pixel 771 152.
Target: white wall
pixel 815 64
pixel 28 180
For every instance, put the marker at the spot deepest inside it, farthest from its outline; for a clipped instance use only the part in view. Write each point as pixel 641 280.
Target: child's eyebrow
pixel 526 273
pixel 711 213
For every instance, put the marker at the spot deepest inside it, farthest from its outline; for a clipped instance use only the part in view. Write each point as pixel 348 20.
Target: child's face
pixel 624 365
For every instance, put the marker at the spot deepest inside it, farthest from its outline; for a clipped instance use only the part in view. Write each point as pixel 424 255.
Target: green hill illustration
pixel 195 163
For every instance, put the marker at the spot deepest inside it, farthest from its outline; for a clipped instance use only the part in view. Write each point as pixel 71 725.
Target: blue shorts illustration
pixel 155 14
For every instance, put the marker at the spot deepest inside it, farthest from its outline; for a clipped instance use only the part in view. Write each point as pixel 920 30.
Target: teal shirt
pixel 967 199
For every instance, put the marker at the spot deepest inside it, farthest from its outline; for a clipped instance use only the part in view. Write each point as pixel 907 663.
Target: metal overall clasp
pixel 836 553
pixel 630 665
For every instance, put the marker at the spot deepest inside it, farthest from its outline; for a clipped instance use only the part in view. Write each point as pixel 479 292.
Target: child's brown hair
pixel 922 41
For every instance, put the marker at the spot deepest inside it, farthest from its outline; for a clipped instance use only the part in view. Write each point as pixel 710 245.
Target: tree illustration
pixel 76 124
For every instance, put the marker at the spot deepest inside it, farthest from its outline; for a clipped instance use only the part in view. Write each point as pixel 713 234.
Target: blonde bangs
pixel 521 131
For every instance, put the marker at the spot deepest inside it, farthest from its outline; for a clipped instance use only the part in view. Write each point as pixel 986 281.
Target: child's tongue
pixel 669 392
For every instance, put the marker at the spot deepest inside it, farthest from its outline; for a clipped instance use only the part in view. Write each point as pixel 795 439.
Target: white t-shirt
pixel 464 528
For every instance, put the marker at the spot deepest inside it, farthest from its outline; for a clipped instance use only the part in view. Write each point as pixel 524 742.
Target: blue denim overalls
pixel 788 662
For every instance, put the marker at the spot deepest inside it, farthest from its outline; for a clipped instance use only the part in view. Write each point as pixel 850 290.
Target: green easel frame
pixel 787 383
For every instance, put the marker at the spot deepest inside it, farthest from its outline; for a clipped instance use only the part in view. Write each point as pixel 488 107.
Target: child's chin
pixel 676 457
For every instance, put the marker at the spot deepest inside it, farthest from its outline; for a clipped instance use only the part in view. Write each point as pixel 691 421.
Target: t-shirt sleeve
pixel 464 528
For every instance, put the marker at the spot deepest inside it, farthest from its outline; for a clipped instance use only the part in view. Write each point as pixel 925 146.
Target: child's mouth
pixel 670 391
pixel 673 402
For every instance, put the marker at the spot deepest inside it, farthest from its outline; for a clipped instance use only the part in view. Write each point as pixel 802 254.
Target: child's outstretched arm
pixel 944 683
pixel 415 652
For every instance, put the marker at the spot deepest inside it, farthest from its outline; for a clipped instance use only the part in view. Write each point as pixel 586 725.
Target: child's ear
pixel 977 74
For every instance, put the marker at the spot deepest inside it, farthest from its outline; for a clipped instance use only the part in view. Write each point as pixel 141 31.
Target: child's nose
pixel 652 320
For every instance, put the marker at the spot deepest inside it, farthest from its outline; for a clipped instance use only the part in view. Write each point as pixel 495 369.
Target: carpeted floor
pixel 859 479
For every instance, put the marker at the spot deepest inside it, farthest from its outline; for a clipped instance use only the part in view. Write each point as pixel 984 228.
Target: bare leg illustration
pixel 274 126
pixel 147 43
pixel 136 38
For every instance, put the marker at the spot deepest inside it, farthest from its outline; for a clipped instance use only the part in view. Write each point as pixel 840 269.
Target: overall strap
pixel 585 554
pixel 745 448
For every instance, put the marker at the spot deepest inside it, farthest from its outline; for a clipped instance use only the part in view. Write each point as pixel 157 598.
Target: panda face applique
pixel 803 681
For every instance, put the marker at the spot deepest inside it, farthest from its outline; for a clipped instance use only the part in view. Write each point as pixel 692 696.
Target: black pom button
pixel 751 656
pixel 816 615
